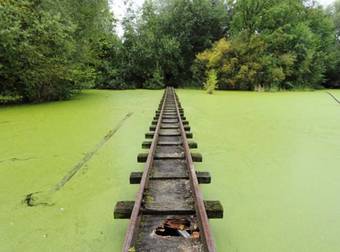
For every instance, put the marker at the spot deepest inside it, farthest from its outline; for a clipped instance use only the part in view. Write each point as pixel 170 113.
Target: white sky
pixel 119 9
pixel 326 2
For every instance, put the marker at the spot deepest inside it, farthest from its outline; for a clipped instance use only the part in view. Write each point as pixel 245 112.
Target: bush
pixel 156 81
pixel 211 83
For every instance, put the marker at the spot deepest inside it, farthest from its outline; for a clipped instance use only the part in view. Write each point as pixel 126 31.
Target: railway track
pixel 169 213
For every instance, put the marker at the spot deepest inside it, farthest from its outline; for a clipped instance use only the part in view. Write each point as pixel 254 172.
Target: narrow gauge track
pixel 169 213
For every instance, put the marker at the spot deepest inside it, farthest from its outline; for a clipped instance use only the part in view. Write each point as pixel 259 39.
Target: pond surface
pixel 274 160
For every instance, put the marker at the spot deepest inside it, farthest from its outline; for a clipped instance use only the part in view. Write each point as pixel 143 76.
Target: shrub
pixel 211 83
pixel 156 81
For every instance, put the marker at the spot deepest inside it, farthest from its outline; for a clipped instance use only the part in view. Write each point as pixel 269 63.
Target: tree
pixel 108 66
pixel 272 45
pixel 195 25
pixel 149 53
pixel 95 41
pixel 162 40
pixel 50 50
pixel 334 11
pixel 333 73
pixel 36 48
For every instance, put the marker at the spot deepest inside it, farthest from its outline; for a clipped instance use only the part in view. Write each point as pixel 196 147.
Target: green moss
pixel 148 198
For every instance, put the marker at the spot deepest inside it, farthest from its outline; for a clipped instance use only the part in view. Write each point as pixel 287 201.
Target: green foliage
pixel 333 72
pixel 272 45
pixel 211 82
pixel 160 43
pixel 156 80
pixel 334 11
pixel 108 67
pixel 29 63
pixel 48 48
pixel 52 49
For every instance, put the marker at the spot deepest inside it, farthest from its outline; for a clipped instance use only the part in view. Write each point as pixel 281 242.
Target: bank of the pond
pixel 273 158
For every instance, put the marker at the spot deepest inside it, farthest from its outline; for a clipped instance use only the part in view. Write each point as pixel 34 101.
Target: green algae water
pixel 274 160
pixel 275 165
pixel 40 144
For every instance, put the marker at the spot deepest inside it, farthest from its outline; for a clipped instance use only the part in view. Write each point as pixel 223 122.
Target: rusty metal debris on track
pixel 169 213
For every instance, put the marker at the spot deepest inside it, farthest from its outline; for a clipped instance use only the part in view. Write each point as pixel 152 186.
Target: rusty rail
pixel 136 209
pixel 199 204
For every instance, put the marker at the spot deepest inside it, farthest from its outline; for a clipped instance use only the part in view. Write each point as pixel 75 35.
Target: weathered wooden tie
pixel 123 209
pixel 169 213
pixel 203 177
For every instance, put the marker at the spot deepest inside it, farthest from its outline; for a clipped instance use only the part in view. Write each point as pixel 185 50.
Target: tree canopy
pixel 272 44
pixel 160 42
pixel 333 72
pixel 250 44
pixel 50 50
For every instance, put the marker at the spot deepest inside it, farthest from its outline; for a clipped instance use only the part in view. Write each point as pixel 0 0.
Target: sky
pixel 119 9
pixel 326 2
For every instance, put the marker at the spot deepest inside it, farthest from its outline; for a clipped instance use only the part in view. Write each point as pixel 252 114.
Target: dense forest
pixel 50 50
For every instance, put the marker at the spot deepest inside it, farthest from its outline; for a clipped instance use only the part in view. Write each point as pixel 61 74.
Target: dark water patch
pixel 42 198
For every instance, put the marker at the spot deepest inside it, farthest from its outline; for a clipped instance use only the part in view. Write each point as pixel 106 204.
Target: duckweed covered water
pixel 275 165
pixel 274 160
pixel 40 144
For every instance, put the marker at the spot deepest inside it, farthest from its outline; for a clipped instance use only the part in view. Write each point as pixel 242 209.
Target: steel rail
pixel 134 219
pixel 198 198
